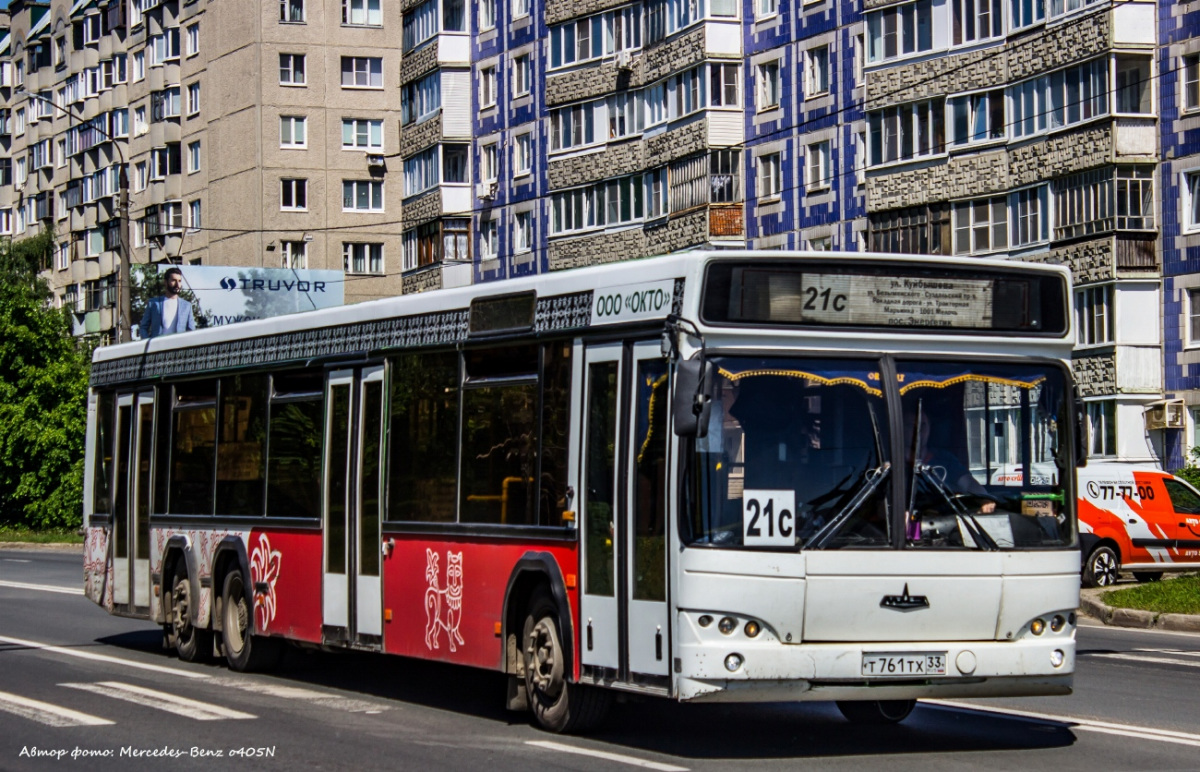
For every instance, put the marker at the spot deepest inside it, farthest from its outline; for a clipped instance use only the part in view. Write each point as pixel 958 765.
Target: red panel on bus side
pixel 285 575
pixel 446 597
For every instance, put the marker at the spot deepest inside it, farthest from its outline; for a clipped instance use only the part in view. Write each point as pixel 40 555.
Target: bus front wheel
pixel 877 711
pixel 557 704
pixel 245 651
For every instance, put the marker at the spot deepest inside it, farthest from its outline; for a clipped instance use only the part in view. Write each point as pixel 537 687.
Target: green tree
pixel 43 396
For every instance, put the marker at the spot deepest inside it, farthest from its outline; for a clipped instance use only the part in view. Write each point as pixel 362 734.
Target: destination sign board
pixel 892 301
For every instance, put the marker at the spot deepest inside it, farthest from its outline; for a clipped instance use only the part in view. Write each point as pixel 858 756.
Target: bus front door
pixel 624 608
pixel 131 521
pixel 352 605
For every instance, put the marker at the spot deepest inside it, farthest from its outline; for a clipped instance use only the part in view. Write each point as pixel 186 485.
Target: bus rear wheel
pixel 244 651
pixel 877 711
pixel 557 704
pixel 191 643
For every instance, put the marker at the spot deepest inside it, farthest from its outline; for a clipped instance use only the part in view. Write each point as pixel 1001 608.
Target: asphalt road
pixel 108 696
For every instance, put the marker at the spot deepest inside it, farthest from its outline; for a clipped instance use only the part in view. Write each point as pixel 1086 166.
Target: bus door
pixel 352 588
pixel 624 472
pixel 131 511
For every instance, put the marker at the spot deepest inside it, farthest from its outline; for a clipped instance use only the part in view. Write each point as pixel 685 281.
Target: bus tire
pixel 245 651
pixel 191 643
pixel 557 704
pixel 1102 567
pixel 876 711
pixel 1147 576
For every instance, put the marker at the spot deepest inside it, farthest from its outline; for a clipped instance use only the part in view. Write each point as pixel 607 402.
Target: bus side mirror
pixel 692 403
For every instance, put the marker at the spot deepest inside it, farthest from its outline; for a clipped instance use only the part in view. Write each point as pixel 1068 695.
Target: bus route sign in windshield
pixel 893 301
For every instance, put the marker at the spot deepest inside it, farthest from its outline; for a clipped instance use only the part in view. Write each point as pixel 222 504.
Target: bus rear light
pixel 727 625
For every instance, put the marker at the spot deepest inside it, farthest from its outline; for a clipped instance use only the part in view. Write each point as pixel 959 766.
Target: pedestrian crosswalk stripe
pixel 42 587
pixel 1155 660
pixel 1172 652
pixel 45 713
pixel 90 655
pixel 320 699
pixel 180 706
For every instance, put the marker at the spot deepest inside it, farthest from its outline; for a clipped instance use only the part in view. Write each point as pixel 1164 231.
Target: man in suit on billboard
pixel 168 313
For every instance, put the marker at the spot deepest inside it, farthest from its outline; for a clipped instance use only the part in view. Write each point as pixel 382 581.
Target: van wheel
pixel 876 711
pixel 1102 568
pixel 1147 576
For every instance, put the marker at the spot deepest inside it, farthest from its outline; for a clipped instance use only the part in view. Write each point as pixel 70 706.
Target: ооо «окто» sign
pixel 632 302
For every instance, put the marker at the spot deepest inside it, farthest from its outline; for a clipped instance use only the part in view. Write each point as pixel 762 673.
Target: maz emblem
pixel 904 601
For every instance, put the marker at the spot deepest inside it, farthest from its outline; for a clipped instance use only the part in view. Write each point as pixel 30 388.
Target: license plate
pixel 901 664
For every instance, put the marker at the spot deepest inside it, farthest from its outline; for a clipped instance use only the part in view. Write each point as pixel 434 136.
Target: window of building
pixel 62 257
pixel 362 196
pixel 976 117
pixel 1191 200
pixel 293 254
pixel 522 75
pixel 193 39
pixel 164 47
pixel 921 230
pixel 725 176
pixel 194 221
pixel 577 41
pixel 522 232
pixel 421 99
pixel 1060 99
pixel 573 126
pixel 139 66
pixel 624 115
pixel 770 180
pixel 520 9
pixel 193 164
pixel 1191 82
pixel 362 134
pixel 164 104
pixel 291 10
pixel 818 174
pixel 973 20
pixel 487 15
pixel 193 106
pixel 613 202
pixel 456 163
pixel 1026 12
pixel 523 154
pixel 1133 85
pixel 1060 7
pixel 487 87
pixel 981 226
pixel 900 31
pixel 1094 317
pixel 1104 200
pixel 489 162
pixel 362 13
pixel 293 194
pixel 291 69
pixel 421 172
pixel 140 126
pixel 92 29
pixel 764 8
pixel 489 240
pixel 362 72
pixel 817 82
pixel 139 176
pixel 1193 320
pixel 768 85
pixel 165 161
pixel 656 193
pixel 688 87
pixel 293 131
pixel 1102 425
pixel 1030 220
pixel 906 132
pixel 360 257
pixel 723 88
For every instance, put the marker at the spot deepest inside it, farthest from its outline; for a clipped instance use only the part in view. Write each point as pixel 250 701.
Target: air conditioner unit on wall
pixel 624 60
pixel 486 191
pixel 1167 414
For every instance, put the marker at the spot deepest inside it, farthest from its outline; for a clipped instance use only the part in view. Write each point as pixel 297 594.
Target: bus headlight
pixel 705 620
pixel 1037 626
pixel 734 661
pixel 752 629
pixel 1057 623
pixel 727 625
pixel 1057 658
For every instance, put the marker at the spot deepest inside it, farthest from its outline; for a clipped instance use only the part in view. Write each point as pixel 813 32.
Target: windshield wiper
pixel 874 478
pixel 965 517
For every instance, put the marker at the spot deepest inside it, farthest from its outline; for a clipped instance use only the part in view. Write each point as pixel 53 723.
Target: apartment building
pixel 1030 129
pixel 251 135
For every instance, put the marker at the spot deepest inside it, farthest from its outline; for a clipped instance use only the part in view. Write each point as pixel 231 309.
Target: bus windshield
pixel 798 452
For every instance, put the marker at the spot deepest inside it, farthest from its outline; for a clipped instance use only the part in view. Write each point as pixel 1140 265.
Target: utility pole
pixel 124 284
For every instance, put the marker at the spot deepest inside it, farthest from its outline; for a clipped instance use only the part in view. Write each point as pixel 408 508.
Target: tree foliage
pixel 43 396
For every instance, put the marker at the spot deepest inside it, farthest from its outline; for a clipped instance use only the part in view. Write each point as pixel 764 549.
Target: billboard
pixel 223 295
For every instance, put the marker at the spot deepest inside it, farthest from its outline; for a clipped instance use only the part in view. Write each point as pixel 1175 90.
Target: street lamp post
pixel 124 288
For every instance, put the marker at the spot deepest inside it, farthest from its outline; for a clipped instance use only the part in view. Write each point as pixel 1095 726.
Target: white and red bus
pixel 725 476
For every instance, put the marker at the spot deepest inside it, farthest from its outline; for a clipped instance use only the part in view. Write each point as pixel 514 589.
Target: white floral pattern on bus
pixel 264 570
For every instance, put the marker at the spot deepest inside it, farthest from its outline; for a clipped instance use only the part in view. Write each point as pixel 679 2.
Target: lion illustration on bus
pixel 448 598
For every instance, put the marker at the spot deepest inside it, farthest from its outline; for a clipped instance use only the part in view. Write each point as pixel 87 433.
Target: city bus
pixel 728 476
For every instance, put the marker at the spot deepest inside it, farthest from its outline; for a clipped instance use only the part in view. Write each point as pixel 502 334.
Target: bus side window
pixel 422 473
pixel 556 429
pixel 241 445
pixel 103 470
pixel 193 449
pixel 295 440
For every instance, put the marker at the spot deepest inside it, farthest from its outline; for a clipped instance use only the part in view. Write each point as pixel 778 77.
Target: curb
pixel 33 547
pixel 1145 620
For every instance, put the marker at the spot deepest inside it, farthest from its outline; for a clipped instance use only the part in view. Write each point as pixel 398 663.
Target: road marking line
pixel 320 699
pixel 171 703
pixel 45 713
pixel 16 560
pixel 1172 651
pixel 1157 660
pixel 617 757
pixel 1085 724
pixel 100 657
pixel 43 587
